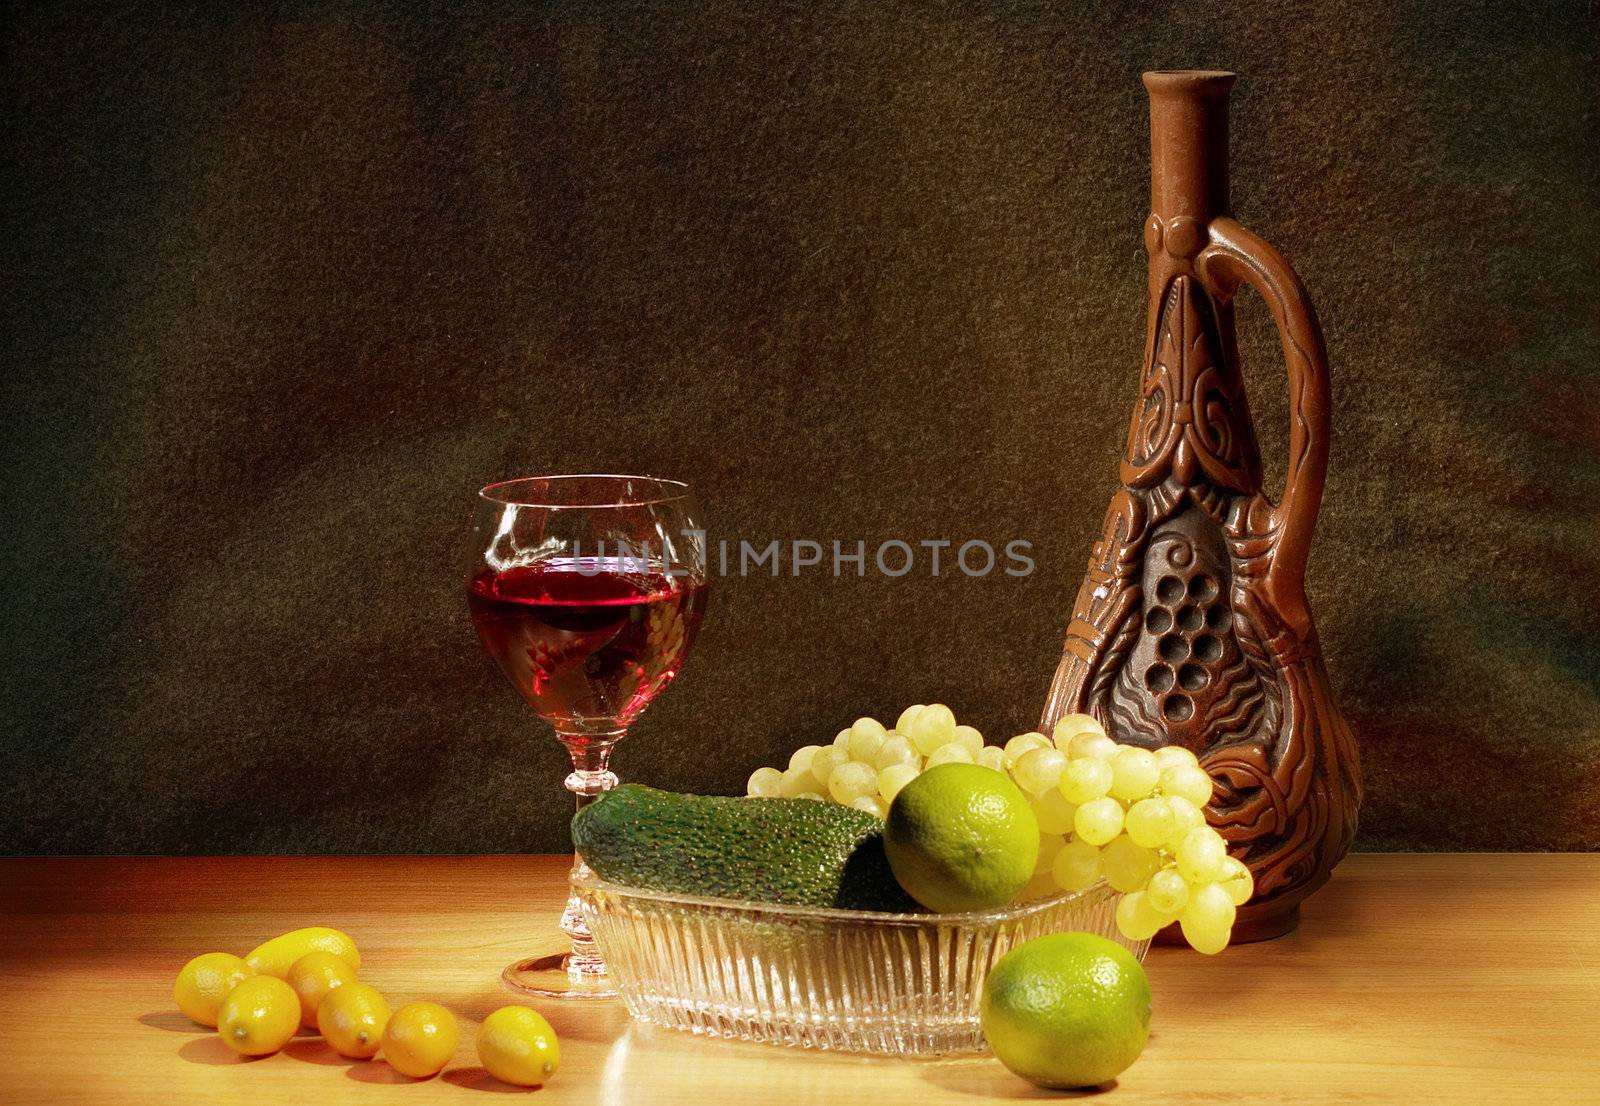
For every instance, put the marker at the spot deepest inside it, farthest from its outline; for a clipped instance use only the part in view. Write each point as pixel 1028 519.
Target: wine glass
pixel 587 591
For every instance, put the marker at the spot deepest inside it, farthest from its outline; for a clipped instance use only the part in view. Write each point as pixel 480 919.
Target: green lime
pixel 1067 1010
pixel 961 837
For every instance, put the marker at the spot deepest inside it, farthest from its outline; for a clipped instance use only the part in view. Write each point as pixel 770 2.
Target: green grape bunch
pixel 1128 816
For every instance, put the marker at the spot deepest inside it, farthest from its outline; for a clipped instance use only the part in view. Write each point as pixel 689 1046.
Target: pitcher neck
pixel 1189 143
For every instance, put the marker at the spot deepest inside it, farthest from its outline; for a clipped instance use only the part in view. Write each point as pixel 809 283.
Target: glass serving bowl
pixel 816 977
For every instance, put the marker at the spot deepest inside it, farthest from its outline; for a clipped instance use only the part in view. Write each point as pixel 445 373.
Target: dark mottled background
pixel 285 285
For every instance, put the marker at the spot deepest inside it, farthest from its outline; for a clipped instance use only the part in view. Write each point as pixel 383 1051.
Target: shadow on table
pixel 173 1021
pixel 376 1071
pixel 211 1051
pixel 986 1078
pixel 476 1079
pixel 314 1050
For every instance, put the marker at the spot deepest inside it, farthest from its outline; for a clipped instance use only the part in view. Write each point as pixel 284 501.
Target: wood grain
pixel 1414 978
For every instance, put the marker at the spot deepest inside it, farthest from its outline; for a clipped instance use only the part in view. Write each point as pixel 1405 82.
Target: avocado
pixel 795 851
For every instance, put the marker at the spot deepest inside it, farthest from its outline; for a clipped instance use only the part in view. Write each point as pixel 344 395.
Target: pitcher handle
pixel 1236 255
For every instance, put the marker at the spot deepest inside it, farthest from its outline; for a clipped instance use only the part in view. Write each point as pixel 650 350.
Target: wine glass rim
pixel 500 491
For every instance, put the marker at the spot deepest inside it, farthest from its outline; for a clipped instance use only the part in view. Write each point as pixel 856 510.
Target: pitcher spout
pixel 1189 143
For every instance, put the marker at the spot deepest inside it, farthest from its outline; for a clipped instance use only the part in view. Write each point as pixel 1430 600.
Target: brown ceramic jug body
pixel 1191 626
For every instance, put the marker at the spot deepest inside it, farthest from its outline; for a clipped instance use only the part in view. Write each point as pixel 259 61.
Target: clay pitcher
pixel 1191 627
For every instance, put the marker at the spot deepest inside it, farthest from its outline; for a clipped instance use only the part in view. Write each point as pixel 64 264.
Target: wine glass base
pixel 547 977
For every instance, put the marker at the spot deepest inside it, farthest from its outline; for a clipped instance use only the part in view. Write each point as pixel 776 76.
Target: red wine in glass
pixel 586 640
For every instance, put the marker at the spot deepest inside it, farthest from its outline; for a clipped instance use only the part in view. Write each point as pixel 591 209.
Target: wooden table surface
pixel 1414 978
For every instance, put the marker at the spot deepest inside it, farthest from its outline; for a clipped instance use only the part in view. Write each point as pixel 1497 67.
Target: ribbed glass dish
pixel 812 977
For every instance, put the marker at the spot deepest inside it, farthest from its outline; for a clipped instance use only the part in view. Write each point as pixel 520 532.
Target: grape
pixel 1137 919
pixel 1053 812
pixel 896 750
pixel 1076 866
pixel 1049 845
pixel 935 725
pixel 1128 917
pixel 801 757
pixel 797 780
pixel 824 761
pixel 841 740
pixel 1085 779
pixel 992 756
pixel 1200 855
pixel 866 736
pixel 765 783
pixel 1185 817
pixel 1039 770
pixel 865 749
pixel 1098 820
pixel 971 739
pixel 1129 866
pixel 1168 892
pixel 1209 906
pixel 1205 940
pixel 1040 886
pixel 1150 822
pixel 811 795
pixel 851 780
pixel 1095 745
pixel 1234 868
pixel 1022 743
pixel 893 778
pixel 1134 774
pixel 1208 918
pixel 869 726
pixel 1072 725
pixel 1188 781
pixel 871 804
pixel 1237 881
pixel 902 724
pixel 1169 755
pixel 951 752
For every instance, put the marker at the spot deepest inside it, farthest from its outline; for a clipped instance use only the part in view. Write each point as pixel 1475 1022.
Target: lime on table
pixel 1067 1010
pixel 961 837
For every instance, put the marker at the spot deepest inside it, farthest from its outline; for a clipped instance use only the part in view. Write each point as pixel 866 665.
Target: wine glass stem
pixel 591 777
